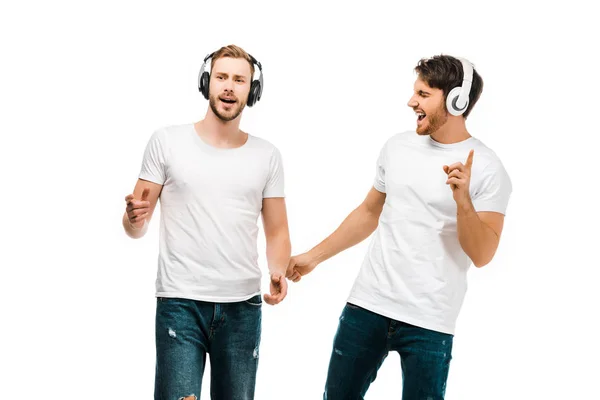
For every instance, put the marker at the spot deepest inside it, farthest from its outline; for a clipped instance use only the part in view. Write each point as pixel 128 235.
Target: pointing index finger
pixel 469 162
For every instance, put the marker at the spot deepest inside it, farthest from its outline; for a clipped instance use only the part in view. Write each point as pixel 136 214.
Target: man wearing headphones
pixel 437 204
pixel 213 181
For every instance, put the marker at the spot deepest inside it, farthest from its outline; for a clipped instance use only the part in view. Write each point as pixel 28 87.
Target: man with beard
pixel 213 181
pixel 437 204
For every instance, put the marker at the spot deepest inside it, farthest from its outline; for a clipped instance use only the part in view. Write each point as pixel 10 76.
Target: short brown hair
pixel 232 51
pixel 445 72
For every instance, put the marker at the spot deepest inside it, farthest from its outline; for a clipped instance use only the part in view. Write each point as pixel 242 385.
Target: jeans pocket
pixel 255 301
pixel 171 299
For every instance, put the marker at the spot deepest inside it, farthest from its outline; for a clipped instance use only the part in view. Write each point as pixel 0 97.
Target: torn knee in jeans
pixel 190 397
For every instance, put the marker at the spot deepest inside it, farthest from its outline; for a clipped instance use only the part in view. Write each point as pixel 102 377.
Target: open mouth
pixel 227 100
pixel 420 116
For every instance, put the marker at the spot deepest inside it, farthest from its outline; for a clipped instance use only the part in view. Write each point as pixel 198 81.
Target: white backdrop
pixel 84 84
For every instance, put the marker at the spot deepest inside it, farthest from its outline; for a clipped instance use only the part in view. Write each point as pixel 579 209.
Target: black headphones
pixel 256 87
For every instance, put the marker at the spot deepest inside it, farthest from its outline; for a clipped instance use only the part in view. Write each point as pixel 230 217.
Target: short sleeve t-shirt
pixel 210 203
pixel 415 269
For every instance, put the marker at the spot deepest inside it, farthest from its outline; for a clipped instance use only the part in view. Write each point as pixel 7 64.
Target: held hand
pixel 299 266
pixel 278 288
pixel 459 178
pixel 137 210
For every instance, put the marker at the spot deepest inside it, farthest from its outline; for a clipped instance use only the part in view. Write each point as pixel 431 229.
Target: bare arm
pixel 479 233
pixel 277 234
pixel 138 212
pixel 357 226
pixel 275 224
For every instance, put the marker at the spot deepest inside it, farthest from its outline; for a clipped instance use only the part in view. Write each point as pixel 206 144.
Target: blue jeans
pixel 188 330
pixel 362 342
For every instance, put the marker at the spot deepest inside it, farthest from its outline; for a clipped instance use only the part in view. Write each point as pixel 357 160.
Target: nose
pixel 228 85
pixel 412 102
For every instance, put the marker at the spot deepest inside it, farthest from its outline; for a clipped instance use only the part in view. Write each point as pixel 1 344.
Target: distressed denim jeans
pixel 363 341
pixel 188 330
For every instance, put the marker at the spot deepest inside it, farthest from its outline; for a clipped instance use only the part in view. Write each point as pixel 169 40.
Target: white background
pixel 84 84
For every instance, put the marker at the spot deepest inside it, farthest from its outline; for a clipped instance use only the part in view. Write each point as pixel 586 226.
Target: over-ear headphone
pixel 457 100
pixel 256 87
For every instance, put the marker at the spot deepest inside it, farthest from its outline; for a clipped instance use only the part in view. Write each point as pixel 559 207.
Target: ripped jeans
pixel 188 330
pixel 363 341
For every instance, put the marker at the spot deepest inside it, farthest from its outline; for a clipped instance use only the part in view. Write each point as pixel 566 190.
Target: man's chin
pixel 422 132
pixel 226 117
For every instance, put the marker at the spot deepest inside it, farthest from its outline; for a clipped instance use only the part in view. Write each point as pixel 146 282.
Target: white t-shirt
pixel 210 203
pixel 415 270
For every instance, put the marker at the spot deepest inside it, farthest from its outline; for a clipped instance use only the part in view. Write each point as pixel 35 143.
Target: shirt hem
pixel 398 317
pixel 151 178
pixel 487 207
pixel 273 195
pixel 211 299
pixel 378 187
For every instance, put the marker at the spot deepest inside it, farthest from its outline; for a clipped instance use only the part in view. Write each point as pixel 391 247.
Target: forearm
pixel 279 251
pixel 477 239
pixel 134 231
pixel 357 226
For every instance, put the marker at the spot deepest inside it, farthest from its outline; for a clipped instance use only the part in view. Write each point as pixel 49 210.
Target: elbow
pixel 480 254
pixel 370 218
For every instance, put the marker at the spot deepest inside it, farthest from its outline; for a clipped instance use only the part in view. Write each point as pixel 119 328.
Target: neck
pixel 453 131
pixel 220 133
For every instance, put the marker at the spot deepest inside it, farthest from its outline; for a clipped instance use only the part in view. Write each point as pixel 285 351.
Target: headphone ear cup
pixel 451 100
pixel 254 94
pixel 204 84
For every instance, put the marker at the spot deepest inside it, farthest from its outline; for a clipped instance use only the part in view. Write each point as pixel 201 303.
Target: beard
pixel 434 121
pixel 226 115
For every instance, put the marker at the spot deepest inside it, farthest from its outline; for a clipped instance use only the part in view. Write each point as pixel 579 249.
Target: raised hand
pixel 459 178
pixel 137 210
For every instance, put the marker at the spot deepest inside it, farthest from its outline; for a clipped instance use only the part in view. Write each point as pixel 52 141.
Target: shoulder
pixel 166 133
pixel 399 138
pixel 402 137
pixel 171 131
pixel 262 146
pixel 488 167
pixel 487 157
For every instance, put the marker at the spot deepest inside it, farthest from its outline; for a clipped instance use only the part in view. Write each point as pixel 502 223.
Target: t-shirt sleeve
pixel 153 164
pixel 379 182
pixel 494 191
pixel 275 181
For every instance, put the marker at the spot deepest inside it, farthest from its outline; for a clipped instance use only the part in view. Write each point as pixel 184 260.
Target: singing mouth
pixel 227 100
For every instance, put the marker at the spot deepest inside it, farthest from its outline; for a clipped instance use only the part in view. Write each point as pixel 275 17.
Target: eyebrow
pixel 234 76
